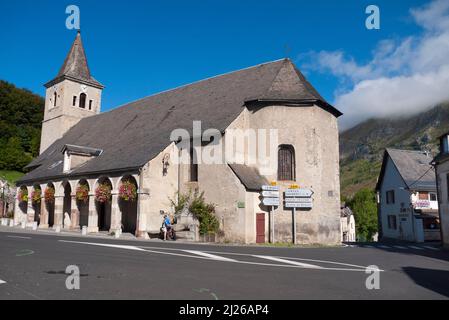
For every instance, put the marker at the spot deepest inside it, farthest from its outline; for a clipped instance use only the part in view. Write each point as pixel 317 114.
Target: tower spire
pixel 75 66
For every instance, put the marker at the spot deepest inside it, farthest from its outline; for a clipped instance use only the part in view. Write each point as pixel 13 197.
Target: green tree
pixel 364 206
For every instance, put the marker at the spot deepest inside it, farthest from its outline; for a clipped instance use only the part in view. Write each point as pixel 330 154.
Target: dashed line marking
pixel 2 282
pixel 17 237
pixel 384 247
pixel 210 256
pixel 400 247
pixel 295 263
pixel 415 247
pixel 431 248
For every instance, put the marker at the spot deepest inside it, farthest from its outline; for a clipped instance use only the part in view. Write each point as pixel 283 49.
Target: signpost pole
pixel 294 225
pixel 272 224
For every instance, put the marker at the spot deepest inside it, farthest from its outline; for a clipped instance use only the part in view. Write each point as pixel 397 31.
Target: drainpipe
pixel 439 197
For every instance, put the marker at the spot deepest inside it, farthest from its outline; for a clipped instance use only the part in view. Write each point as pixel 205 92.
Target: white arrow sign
pixel 270 188
pixel 300 193
pixel 271 202
pixel 299 205
pixel 299 200
pixel 270 194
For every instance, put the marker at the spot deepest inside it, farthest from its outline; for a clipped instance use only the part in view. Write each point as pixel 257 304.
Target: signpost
pixel 271 199
pixel 298 198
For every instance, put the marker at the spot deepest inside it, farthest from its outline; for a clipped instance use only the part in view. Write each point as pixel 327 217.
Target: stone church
pixel 116 170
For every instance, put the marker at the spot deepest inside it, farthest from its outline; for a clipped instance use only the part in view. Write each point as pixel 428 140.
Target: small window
pixel 433 197
pixel 390 197
pixel 447 186
pixel 423 196
pixel 392 224
pixel 286 163
pixel 193 165
pixel 83 97
pixel 90 104
pixel 74 101
pixel 55 99
pixel 445 144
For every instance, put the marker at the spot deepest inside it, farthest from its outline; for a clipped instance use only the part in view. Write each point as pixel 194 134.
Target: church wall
pixel 313 133
pixel 159 189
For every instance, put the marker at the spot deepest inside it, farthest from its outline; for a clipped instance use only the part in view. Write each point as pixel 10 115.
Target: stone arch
pixel 36 205
pixel 128 209
pixel 51 207
pixel 66 193
pixel 104 209
pixel 83 205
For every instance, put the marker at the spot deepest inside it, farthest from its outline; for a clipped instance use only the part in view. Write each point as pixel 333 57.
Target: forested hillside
pixel 21 114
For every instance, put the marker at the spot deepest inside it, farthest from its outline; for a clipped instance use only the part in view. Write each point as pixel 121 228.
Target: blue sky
pixel 137 48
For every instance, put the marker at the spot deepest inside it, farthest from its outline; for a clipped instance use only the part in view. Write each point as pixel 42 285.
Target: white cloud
pixel 402 78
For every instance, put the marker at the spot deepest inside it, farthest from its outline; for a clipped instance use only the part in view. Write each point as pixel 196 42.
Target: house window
pixel 286 163
pixel 445 144
pixel 55 98
pixel 447 186
pixel 433 197
pixel 423 196
pixel 193 165
pixel 390 197
pixel 392 222
pixel 90 104
pixel 74 101
pixel 83 97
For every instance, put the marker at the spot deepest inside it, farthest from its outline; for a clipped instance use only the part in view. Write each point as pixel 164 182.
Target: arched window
pixel 54 98
pixel 83 97
pixel 286 163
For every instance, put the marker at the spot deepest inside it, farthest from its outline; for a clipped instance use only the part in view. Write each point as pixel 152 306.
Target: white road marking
pixel 210 256
pixel 415 247
pixel 106 245
pixel 2 282
pixel 371 247
pixel 166 252
pixel 431 248
pixel 400 247
pixel 304 265
pixel 17 237
pixel 384 247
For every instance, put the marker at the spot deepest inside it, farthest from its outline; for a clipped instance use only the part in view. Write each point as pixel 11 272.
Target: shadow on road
pixel 435 280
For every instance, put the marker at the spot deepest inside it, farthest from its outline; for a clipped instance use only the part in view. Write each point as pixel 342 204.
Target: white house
pixel 407 197
pixel 347 221
pixel 441 163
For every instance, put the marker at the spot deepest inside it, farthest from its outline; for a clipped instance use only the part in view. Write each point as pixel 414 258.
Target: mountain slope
pixel 21 114
pixel 361 147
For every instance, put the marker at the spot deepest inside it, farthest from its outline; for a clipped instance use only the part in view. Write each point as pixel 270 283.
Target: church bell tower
pixel 74 94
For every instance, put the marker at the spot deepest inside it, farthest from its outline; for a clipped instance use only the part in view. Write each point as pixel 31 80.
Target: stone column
pixel 59 215
pixel 74 213
pixel 116 215
pixel 44 211
pixel 142 205
pixel 30 208
pixel 92 225
pixel 18 214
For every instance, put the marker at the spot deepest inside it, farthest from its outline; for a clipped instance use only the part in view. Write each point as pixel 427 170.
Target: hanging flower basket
pixel 36 196
pixel 49 195
pixel 103 193
pixel 128 191
pixel 22 195
pixel 82 193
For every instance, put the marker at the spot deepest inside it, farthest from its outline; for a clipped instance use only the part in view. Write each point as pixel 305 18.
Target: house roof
pixel 133 134
pixel 414 167
pixel 75 66
pixel 249 177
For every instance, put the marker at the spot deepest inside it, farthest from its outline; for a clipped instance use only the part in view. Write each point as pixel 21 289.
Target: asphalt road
pixel 33 266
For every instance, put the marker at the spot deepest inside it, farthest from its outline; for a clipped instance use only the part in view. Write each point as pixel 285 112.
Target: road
pixel 33 265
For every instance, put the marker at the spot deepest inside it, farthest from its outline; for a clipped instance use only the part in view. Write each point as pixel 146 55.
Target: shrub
pixel 205 213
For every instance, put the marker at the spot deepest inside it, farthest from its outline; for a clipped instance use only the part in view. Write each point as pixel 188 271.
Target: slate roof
pixel 75 66
pixel 133 134
pixel 249 177
pixel 414 167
